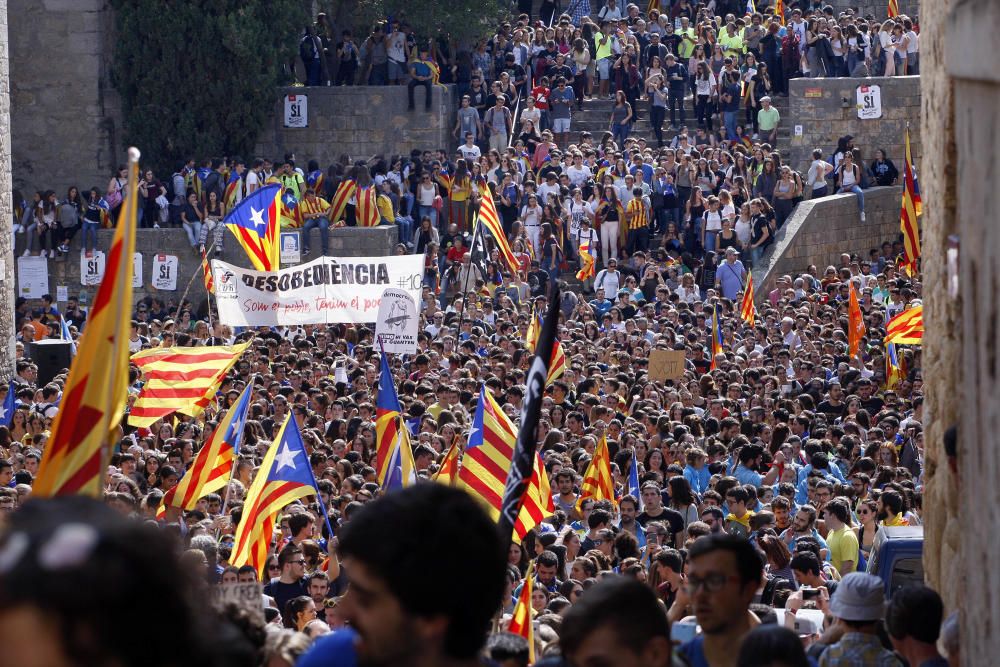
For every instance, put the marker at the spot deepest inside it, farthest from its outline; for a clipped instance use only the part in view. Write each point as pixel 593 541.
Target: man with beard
pixel 725 573
pixel 400 614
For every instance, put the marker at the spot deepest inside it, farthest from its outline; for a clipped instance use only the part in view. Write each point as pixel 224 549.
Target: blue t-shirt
pixel 333 650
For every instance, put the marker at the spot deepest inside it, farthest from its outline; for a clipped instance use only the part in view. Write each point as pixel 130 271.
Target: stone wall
pixel 946 498
pixel 65 116
pixel 344 242
pixel 817 105
pixel 360 121
pixel 820 230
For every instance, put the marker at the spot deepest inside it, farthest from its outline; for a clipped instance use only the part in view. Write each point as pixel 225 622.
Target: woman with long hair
pixel 621 118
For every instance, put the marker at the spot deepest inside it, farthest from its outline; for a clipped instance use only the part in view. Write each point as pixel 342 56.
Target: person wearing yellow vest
pixel 685 38
pixel 458 197
pixel 316 213
pixel 731 41
pixel 602 42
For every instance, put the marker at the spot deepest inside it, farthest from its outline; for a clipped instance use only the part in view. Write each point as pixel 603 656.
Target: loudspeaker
pixel 51 356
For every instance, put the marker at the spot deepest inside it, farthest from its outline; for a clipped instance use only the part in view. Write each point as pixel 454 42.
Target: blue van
pixel 897 557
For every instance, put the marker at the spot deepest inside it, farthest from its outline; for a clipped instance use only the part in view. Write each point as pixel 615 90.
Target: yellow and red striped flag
pixel 779 10
pixel 213 464
pixel 521 623
pixel 588 261
pixel 911 208
pixel 855 324
pixel 448 472
pixel 895 367
pixel 283 477
pixel 538 504
pixel 747 310
pixel 716 336
pixel 207 274
pixel 180 379
pixel 893 8
pixel 488 216
pixel 344 192
pixel 367 208
pixel 488 454
pixel 96 390
pixel 597 481
pixel 557 364
pixel 907 328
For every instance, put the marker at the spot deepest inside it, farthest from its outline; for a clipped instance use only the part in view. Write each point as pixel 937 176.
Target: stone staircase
pixel 596 119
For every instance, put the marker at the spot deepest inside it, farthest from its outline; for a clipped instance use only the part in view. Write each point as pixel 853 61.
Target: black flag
pixel 523 460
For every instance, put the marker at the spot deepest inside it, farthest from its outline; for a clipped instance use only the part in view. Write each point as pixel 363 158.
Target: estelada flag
pixel 254 223
pixel 213 464
pixel 96 390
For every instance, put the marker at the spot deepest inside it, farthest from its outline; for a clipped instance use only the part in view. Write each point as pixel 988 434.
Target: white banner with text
pixel 327 290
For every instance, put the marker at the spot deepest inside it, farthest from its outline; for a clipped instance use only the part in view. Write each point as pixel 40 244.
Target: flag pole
pixel 194 275
pixel 465 288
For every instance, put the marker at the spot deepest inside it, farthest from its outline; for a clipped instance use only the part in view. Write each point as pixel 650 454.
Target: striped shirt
pixel 636 214
pixel 314 205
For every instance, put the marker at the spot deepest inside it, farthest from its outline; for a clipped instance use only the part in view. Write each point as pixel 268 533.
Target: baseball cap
pixel 859 597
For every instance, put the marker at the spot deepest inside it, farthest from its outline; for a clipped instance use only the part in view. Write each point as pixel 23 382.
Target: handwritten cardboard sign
pixel 666 365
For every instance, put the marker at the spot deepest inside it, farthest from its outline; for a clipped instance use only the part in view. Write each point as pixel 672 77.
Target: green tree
pixel 465 20
pixel 198 78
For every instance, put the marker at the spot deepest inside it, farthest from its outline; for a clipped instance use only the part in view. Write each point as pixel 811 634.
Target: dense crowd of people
pixel 763 473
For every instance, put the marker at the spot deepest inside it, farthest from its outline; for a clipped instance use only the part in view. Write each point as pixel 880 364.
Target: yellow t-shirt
pixel 843 544
pixel 603 51
pixel 385 208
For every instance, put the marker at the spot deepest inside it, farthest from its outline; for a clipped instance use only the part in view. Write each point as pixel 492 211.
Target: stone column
pixel 941 349
pixel 6 212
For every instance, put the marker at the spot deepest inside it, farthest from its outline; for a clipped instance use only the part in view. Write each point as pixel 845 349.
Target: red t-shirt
pixel 455 255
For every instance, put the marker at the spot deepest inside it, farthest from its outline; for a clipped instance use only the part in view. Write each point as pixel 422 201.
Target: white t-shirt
pixel 578 175
pixel 397 47
pixel 534 114
pixel 253 181
pixel 913 45
pixel 705 86
pixel 470 152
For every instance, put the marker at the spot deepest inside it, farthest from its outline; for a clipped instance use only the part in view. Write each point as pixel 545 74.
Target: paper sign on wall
pixel 296 111
pixel 32 277
pixel 62 293
pixel 291 247
pixel 165 269
pixel 397 324
pixel 137 270
pixel 869 102
pixel 91 268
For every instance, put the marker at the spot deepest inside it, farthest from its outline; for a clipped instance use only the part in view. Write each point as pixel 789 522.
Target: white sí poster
pixel 296 111
pixel 327 290
pixel 869 102
pixel 91 268
pixel 32 277
pixel 397 325
pixel 165 269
